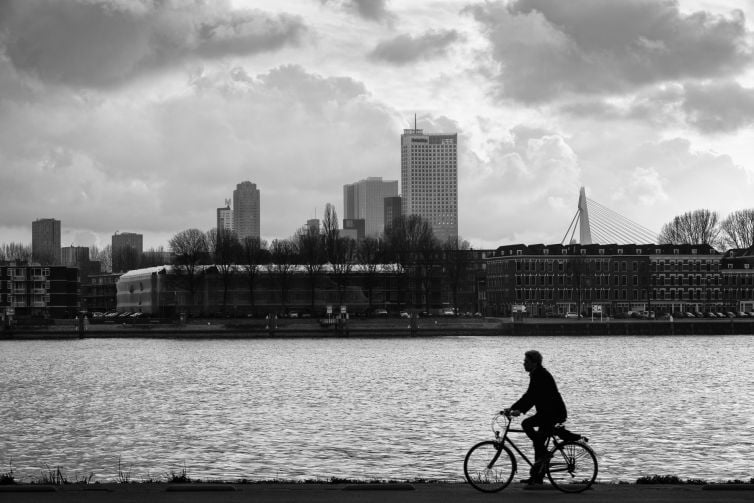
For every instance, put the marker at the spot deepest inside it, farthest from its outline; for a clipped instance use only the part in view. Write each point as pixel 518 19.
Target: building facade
pixel 354 228
pixel 127 248
pixel 45 241
pixel 555 279
pixel 78 256
pixel 365 200
pixel 38 290
pixel 225 217
pixel 429 179
pixel 246 210
pixel 737 275
pixel 392 210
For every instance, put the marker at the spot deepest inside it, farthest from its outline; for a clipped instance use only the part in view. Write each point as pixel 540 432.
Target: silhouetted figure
pixel 544 395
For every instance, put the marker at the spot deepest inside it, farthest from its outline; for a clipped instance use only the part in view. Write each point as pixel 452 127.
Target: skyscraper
pixel 365 200
pixel 225 217
pixel 246 210
pixel 126 248
pixel 45 241
pixel 429 179
pixel 392 210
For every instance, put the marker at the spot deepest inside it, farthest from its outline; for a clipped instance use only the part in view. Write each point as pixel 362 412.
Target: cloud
pixel 405 49
pixel 547 50
pixel 719 106
pixel 709 107
pixel 160 166
pixel 99 43
pixel 371 10
pixel 527 191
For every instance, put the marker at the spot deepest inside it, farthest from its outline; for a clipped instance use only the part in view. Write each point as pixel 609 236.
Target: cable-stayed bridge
pixel 598 224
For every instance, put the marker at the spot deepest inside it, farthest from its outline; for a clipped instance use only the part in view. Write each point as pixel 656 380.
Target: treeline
pixel 706 227
pixel 409 246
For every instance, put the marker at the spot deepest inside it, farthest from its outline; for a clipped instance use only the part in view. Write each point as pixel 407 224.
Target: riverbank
pixel 346 493
pixel 390 327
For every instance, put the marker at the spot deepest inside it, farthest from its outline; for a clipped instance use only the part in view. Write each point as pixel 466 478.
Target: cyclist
pixel 544 395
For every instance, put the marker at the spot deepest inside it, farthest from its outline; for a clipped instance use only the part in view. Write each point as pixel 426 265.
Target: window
pixel 675 251
pixel 583 252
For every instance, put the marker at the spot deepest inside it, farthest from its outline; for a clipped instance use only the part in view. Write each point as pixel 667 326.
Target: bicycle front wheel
pixel 489 466
pixel 572 467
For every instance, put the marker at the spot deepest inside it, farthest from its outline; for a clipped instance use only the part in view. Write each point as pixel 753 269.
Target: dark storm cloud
pixel 100 43
pixel 546 49
pixel 405 49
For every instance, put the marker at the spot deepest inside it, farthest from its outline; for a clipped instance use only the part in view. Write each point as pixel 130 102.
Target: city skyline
pixel 126 116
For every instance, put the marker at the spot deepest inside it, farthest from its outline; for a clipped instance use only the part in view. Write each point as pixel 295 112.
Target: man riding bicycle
pixel 544 395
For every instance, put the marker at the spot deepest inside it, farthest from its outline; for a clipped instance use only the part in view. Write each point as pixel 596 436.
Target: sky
pixel 142 116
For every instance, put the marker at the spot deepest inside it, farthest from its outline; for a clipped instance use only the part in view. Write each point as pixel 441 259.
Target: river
pixel 371 408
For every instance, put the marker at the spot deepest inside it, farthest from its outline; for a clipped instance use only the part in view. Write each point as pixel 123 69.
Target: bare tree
pixel 370 253
pixel 313 257
pixel 254 253
pixel 693 227
pixel 104 256
pixel 125 259
pixel 189 252
pixel 330 230
pixel 456 262
pixel 737 230
pixel 342 259
pixel 427 257
pixel 225 249
pixel 284 254
pixel 15 251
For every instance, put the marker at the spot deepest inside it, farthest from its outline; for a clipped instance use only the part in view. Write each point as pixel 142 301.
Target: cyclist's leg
pixel 544 428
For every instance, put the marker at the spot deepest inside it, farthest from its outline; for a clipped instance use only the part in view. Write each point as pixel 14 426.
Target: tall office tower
pixel 429 179
pixel 312 225
pixel 225 217
pixel 45 241
pixel 365 200
pixel 392 210
pixel 246 210
pixel 126 248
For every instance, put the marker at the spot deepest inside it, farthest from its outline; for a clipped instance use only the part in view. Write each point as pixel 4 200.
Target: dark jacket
pixel 544 395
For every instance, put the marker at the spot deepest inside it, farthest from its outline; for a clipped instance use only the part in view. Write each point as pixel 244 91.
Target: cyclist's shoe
pixel 532 481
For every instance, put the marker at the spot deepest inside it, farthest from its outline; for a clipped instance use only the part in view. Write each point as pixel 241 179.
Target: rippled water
pixel 365 408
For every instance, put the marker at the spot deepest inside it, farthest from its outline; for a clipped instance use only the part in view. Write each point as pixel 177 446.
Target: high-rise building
pixel 353 228
pixel 392 210
pixel 127 248
pixel 246 210
pixel 45 241
pixel 429 179
pixel 225 217
pixel 365 200
pixel 78 256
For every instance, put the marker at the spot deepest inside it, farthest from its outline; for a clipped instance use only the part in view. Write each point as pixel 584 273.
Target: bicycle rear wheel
pixel 489 466
pixel 572 467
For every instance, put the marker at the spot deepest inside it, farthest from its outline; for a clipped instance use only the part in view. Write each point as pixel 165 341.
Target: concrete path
pixel 363 493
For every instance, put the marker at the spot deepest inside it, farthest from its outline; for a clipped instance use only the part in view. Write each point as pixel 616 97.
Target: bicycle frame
pixel 505 439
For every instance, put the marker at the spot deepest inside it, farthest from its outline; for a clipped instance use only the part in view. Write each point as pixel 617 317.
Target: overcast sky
pixel 142 116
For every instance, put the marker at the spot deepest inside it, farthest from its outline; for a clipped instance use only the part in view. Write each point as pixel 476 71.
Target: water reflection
pixel 365 408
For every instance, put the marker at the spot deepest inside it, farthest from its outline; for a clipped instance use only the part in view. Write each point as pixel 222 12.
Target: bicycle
pixel 571 465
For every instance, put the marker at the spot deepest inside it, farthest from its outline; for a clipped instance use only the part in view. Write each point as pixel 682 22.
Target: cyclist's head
pixel 532 360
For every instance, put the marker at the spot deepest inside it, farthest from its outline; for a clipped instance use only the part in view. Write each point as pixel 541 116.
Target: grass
pixel 124 476
pixel 8 478
pixel 676 480
pixel 180 477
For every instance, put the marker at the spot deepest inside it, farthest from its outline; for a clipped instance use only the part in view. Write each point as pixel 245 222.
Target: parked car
pixel 404 314
pixel 381 313
pixel 448 312
pixel 572 316
pixel 743 314
pixel 730 314
pixel 477 315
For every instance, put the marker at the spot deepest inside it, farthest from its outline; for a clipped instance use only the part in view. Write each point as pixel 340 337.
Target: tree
pixel 15 251
pixel 341 259
pixel 737 230
pixel 103 256
pixel 189 249
pixel 284 254
pixel 154 257
pixel 125 259
pixel 370 253
pixel 693 227
pixel 330 231
pixel 312 253
pixel 254 253
pixel 428 258
pixel 410 242
pixel 226 250
pixel 456 263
